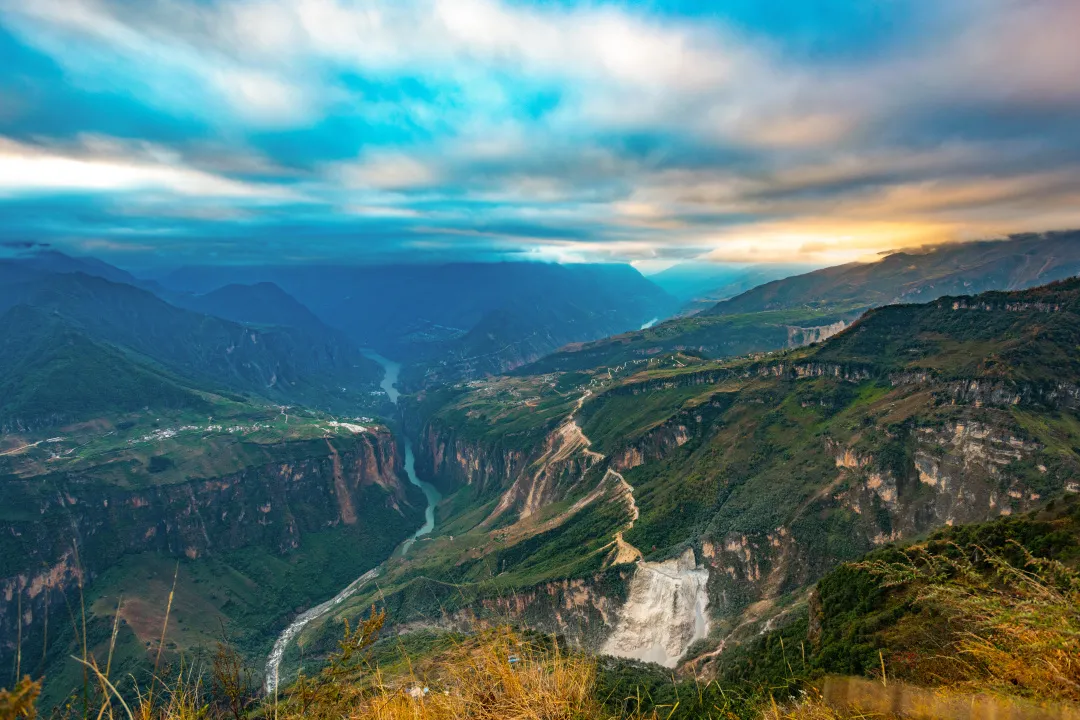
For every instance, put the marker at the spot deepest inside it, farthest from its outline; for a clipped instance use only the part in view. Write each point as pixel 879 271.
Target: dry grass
pixel 20 701
pixel 810 707
pixel 496 675
pixel 1012 628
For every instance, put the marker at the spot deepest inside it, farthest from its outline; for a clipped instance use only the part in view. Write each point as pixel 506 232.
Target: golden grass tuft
pixel 498 676
pixel 1013 628
pixel 21 700
pixel 810 707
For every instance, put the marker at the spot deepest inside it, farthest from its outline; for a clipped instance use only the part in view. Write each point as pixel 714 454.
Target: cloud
pixel 23 244
pixel 102 166
pixel 262 97
pixel 386 171
pixel 574 130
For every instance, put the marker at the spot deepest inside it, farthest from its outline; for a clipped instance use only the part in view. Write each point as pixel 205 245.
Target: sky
pixel 153 132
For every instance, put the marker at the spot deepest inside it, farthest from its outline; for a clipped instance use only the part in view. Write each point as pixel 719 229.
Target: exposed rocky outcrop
pixel 665 613
pixel 525 480
pixel 956 473
pixel 800 336
pixel 655 444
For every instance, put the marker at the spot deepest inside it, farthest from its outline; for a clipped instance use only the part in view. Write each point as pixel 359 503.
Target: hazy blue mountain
pixel 43 262
pixel 52 261
pixel 454 313
pixel 719 281
pixel 259 304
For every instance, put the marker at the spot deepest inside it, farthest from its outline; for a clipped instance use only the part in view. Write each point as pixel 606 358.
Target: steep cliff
pixel 452 461
pixel 665 613
pixel 990 606
pixel 753 478
pixel 72 534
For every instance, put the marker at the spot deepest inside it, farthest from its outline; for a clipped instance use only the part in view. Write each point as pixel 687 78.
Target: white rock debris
pixel 665 612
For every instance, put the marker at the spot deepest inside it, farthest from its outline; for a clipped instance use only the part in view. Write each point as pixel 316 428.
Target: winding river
pixel 389 385
pixel 431 494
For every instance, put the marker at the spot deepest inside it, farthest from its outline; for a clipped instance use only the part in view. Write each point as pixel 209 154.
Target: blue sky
pixel 171 131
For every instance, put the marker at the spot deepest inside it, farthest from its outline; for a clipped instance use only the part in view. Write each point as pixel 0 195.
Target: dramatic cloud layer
pixel 822 130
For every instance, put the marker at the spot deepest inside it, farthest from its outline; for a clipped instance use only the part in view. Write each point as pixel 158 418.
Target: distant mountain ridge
pixel 1018 262
pixel 811 307
pixel 459 320
pixel 274 362
pixel 259 304
pixel 445 322
pixel 694 281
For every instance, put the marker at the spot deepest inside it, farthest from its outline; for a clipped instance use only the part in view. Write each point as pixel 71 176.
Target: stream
pixel 431 494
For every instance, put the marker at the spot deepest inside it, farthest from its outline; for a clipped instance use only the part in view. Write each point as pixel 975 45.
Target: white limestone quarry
pixel 664 614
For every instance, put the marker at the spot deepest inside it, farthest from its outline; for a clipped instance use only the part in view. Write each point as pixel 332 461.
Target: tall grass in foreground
pixel 1005 623
pixel 1007 627
pixel 496 674
pixel 810 707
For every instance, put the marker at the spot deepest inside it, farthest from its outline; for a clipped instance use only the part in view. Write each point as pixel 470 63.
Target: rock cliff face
pixel 63 528
pixel 583 610
pixel 954 473
pixel 655 444
pixel 665 613
pixel 799 336
pixel 450 462
pixel 524 480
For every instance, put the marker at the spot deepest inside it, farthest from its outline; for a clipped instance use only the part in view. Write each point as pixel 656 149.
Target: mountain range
pixel 811 307
pixel 276 362
pixel 459 320
pixel 690 495
pixel 700 285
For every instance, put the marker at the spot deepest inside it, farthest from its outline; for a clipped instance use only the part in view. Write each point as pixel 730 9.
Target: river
pixel 431 494
pixel 389 385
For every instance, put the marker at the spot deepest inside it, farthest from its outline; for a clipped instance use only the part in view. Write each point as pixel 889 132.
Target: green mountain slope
pixel 275 362
pixel 52 374
pixel 1018 337
pixel 988 607
pixel 768 471
pixel 807 308
pixel 915 416
pixel 704 336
